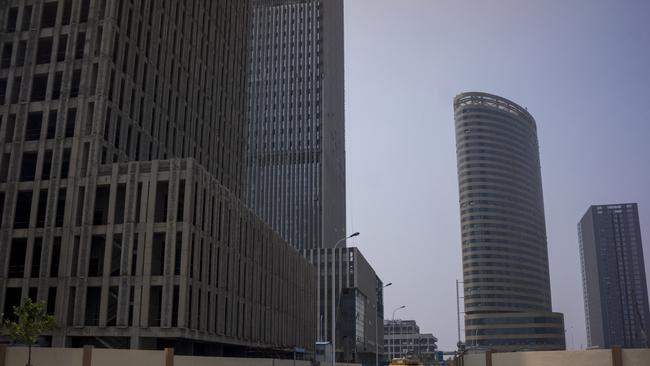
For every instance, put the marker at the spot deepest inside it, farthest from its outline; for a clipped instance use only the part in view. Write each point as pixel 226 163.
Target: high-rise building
pixel 296 152
pixel 613 276
pixel 122 168
pixel 296 160
pixel 507 289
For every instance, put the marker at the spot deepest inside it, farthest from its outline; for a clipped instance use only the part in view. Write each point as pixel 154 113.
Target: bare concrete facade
pixel 122 136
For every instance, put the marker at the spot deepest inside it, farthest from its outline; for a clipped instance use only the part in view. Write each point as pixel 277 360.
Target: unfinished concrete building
pixel 122 138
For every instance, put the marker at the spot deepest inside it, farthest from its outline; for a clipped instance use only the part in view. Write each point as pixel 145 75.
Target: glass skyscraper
pixel 613 276
pixel 296 120
pixel 505 260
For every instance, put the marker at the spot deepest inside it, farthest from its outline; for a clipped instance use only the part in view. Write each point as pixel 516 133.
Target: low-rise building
pixel 403 337
pixel 358 302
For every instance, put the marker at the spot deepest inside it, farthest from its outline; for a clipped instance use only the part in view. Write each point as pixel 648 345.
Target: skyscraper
pixel 122 129
pixel 296 161
pixel 613 276
pixel 505 262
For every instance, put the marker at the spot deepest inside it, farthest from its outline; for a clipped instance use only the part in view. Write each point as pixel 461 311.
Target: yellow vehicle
pixel 405 361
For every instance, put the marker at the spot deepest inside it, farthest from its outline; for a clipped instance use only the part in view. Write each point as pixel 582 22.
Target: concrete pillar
pixel 617 356
pixel 488 358
pixel 3 354
pixel 169 357
pixel 87 356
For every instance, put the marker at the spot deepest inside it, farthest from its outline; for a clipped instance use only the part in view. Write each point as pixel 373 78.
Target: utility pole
pixel 458 311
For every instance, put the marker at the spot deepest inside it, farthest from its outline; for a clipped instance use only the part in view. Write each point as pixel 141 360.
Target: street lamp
pixel 377 327
pixel 392 343
pixel 333 292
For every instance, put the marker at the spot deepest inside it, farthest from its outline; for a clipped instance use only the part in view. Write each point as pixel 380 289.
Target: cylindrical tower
pixel 505 261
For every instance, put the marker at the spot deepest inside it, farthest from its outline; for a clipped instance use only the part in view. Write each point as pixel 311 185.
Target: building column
pixel 87 356
pixel 617 356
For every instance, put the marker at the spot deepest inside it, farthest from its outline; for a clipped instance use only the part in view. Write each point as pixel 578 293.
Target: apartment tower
pixel 296 142
pixel 613 277
pixel 122 179
pixel 505 262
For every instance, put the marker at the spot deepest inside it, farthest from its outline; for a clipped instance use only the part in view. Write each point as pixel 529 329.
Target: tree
pixel 31 320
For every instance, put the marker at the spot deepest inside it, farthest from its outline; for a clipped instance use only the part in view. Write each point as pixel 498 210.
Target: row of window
pixel 18 267
pixel 35 128
pixel 39 87
pixel 48 15
pixel 44 51
pixel 39 265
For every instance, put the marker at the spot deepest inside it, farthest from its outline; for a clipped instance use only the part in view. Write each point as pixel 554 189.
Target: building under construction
pixel 122 137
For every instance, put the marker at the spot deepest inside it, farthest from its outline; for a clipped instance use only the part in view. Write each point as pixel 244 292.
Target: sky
pixel 582 70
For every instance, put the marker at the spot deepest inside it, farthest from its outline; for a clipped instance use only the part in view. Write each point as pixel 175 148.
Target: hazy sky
pixel 581 68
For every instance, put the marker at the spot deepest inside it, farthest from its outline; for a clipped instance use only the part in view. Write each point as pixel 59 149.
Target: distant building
pixel 507 289
pixel 613 276
pixel 358 299
pixel 296 120
pixel 403 337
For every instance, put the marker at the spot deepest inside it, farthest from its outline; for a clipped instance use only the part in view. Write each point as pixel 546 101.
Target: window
pixel 39 87
pixel 56 88
pixel 160 213
pixel 60 208
pixel 116 255
pixel 15 93
pixel 28 166
pixel 36 257
pixel 76 80
pixel 41 210
pixel 12 19
pixel 120 202
pixel 23 209
pixel 111 316
pixel 51 124
pixel 3 90
pixel 67 11
pixel 70 122
pixel 47 165
pixel 60 50
pixel 100 215
pixel 2 204
pixel 4 168
pixel 93 300
pixel 158 254
pixel 155 302
pixel 96 262
pixel 34 123
pixel 65 163
pixel 44 52
pixel 48 17
pixel 179 254
pixel 51 300
pixel 20 53
pixel 83 12
pixel 79 49
pixel 7 50
pixel 17 258
pixel 27 17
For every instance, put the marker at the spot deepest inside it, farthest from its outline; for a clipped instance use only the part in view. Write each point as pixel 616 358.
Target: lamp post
pixel 377 326
pixel 392 325
pixel 342 240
